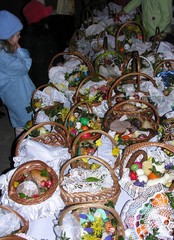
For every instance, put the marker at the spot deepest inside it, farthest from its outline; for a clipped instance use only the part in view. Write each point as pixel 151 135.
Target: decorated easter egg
pixel 84 121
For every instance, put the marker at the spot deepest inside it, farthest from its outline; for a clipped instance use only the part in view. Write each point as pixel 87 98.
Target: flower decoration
pixel 98 142
pixel 77 75
pixel 98 223
pixel 115 151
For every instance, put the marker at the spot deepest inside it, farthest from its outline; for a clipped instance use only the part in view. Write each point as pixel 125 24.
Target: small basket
pixel 95 134
pixel 55 108
pixel 135 78
pixel 103 196
pixel 84 208
pixel 77 35
pixel 149 114
pixel 24 225
pixel 130 156
pixel 94 78
pixel 57 136
pixel 25 169
pixel 85 111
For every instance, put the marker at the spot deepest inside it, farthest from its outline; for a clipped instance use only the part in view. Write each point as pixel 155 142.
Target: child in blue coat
pixel 16 87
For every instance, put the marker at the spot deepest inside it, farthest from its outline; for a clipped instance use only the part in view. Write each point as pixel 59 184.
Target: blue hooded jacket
pixel 16 87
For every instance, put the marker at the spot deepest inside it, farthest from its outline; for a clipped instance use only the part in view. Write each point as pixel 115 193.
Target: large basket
pixel 24 170
pixel 127 30
pixel 77 143
pixel 103 196
pixel 57 135
pixel 23 228
pixel 52 111
pixel 84 112
pixel 95 78
pixel 135 79
pixel 130 110
pixel 138 153
pixel 84 208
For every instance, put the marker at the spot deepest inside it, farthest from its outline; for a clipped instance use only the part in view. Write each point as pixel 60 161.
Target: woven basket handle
pixel 168 63
pixel 72 160
pixel 25 226
pixel 134 157
pixel 25 134
pixel 136 146
pixel 123 78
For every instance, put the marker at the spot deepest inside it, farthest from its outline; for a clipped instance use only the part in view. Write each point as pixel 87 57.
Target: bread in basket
pixel 98 184
pixel 133 121
pixel 32 183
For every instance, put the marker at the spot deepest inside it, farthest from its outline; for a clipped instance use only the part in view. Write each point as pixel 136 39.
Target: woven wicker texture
pixel 135 78
pixel 102 197
pixel 76 209
pixel 123 31
pixel 24 224
pixel 138 146
pixel 25 169
pixel 149 114
pixel 164 65
pixel 58 136
pixel 96 134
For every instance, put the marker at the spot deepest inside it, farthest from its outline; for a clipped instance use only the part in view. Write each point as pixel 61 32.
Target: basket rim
pixel 113 192
pixel 25 226
pixel 25 134
pixel 26 167
pixel 160 64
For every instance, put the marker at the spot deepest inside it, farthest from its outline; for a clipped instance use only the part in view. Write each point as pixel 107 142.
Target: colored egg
pixel 139 164
pixel 84 121
pixel 134 167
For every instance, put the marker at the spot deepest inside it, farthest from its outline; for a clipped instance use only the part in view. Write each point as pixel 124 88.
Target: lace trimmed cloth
pixel 77 180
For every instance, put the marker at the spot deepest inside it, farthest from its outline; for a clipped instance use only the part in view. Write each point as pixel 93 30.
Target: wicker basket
pixel 55 108
pixel 96 134
pixel 77 35
pixel 107 59
pixel 122 31
pixel 135 78
pixel 24 170
pixel 164 65
pixel 130 156
pixel 84 208
pixel 57 136
pixel 149 114
pixel 103 196
pixel 94 78
pixel 24 224
pixel 83 109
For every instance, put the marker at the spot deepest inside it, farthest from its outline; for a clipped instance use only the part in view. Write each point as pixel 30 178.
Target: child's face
pixel 14 39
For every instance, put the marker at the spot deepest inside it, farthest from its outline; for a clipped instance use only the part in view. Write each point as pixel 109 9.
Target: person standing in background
pixel 155 13
pixel 16 87
pixel 39 41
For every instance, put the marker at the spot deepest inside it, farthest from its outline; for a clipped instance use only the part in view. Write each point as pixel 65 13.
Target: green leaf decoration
pixel 92 179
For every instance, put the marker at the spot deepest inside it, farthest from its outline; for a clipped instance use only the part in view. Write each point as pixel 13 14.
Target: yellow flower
pixel 85 160
pixel 16 183
pixel 115 151
pixel 116 137
pixel 97 226
pixel 160 129
pixel 98 142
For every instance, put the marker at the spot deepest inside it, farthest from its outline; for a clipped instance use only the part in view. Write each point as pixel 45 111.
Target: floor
pixel 7 143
